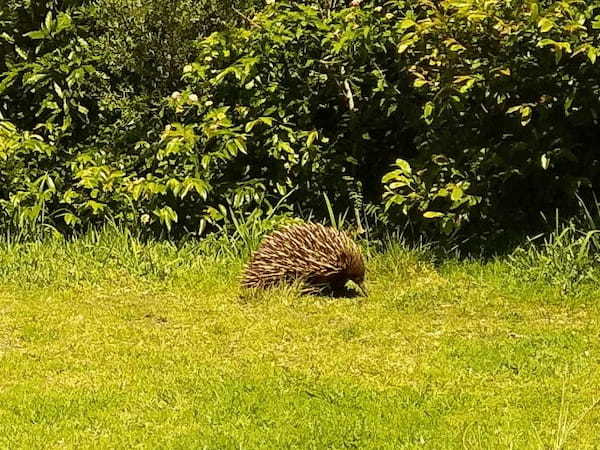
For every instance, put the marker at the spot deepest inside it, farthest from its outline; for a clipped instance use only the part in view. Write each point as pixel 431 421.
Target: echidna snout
pixel 317 256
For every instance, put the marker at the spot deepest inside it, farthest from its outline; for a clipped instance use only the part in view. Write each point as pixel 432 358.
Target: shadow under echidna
pixel 322 259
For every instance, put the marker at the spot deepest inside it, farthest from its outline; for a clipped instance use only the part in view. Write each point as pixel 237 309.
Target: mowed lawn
pixel 113 344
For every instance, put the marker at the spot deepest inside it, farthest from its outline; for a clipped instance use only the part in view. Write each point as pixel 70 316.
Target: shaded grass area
pixel 109 343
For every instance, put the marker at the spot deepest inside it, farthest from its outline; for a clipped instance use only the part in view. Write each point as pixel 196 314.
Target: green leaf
pixel 33 78
pixel 63 22
pixel 71 219
pixel 545 25
pixel 59 90
pixel 166 216
pixel 240 142
pixel 476 17
pixel 546 42
pixel 545 161
pixel 534 11
pixel 7 37
pixel 391 176
pixel 427 110
pixel 285 147
pixel 248 127
pixel 432 214
pixel 22 53
pixel 69 196
pixel 526 112
pixel 404 166
pixel 408 41
pixel 456 194
pixel 38 34
pixel 48 21
pixel 406 24
pixel 399 184
pixel 95 206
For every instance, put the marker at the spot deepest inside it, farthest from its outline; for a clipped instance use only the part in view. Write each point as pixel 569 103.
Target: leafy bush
pixel 45 92
pixel 454 117
pixel 297 105
pixel 483 110
pixel 20 155
pixel 510 92
pixel 87 80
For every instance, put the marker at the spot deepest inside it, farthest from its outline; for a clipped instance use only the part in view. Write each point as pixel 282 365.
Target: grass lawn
pixel 115 344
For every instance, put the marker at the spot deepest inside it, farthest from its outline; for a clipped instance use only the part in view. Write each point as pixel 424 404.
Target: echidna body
pixel 319 257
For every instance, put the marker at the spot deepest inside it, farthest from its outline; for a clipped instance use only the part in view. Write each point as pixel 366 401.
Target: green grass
pixel 109 343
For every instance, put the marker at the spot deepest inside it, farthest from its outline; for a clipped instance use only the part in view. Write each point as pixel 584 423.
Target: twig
pixel 246 18
pixel 349 95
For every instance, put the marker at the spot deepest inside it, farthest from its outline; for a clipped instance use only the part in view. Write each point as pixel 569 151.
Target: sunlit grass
pixel 109 343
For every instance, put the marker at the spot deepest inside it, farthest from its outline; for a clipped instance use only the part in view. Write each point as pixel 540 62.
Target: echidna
pixel 319 257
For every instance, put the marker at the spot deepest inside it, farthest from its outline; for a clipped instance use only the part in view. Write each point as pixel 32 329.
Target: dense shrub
pixel 480 112
pixel 46 108
pixel 510 92
pixel 87 80
pixel 287 107
pixel 453 116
